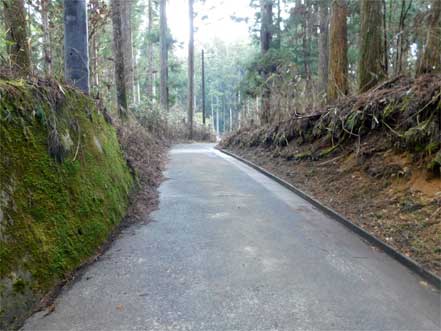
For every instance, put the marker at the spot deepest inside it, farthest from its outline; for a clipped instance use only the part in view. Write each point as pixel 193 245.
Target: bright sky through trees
pixel 213 20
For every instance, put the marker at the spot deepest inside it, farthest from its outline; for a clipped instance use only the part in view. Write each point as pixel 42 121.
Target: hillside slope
pixel 64 187
pixel 375 158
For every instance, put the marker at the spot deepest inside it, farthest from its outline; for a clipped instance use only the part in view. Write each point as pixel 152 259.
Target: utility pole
pixel 203 88
pixel 76 48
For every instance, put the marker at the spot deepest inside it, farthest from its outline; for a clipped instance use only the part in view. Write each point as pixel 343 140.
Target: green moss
pixel 328 151
pixel 19 286
pixel 303 156
pixel 57 209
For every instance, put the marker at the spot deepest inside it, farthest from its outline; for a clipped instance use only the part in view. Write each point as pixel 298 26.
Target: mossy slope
pixel 64 186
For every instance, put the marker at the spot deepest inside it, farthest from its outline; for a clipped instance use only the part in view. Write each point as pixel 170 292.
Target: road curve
pixel 230 249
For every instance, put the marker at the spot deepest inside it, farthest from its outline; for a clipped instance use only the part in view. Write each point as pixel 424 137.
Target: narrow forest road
pixel 232 250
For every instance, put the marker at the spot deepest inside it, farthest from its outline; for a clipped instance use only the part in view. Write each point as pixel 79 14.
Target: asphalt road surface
pixel 230 249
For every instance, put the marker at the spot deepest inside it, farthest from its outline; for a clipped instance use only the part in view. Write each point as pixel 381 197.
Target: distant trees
pixel 431 56
pixel 16 36
pixel 303 51
pixel 338 49
pixel 371 68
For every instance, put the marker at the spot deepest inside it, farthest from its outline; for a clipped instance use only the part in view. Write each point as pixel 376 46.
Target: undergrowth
pixel 407 111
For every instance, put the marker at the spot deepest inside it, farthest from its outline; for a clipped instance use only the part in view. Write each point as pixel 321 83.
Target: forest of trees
pixel 301 54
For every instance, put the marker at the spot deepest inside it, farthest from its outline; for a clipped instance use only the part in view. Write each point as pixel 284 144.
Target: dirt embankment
pixel 374 158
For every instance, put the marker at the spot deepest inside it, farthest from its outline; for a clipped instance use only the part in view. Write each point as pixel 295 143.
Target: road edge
pixel 389 250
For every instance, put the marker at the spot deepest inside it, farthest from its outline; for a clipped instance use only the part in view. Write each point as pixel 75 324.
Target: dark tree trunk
pixel 190 70
pixel 163 91
pixel 15 25
pixel 371 66
pixel 266 36
pixel 76 44
pixel 431 55
pixel 338 51
pixel 385 41
pixel 121 93
pixel 323 46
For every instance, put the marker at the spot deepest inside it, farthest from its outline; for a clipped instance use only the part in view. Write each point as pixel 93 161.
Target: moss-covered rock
pixel 64 186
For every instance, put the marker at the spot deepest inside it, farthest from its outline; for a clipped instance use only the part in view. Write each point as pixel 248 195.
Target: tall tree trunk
pixel 266 36
pixel 385 41
pixel 163 91
pixel 431 56
pixel 338 51
pixel 76 44
pixel 323 46
pixel 278 41
pixel 136 96
pixel 402 41
pixel 371 66
pixel 46 37
pixel 15 25
pixel 203 86
pixel 94 6
pixel 94 60
pixel 190 70
pixel 305 46
pixel 398 48
pixel 120 74
pixel 126 26
pixel 150 53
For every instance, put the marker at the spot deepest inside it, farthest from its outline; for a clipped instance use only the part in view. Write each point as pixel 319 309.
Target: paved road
pixel 232 250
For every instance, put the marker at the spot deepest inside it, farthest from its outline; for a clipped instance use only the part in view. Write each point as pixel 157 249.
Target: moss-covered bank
pixel 64 186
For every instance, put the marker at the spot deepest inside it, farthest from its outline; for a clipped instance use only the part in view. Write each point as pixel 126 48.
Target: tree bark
pixel 150 53
pixel 126 26
pixel 16 36
pixel 163 91
pixel 266 36
pixel 76 44
pixel 190 70
pixel 203 86
pixel 94 6
pixel 431 55
pixel 278 41
pixel 323 46
pixel 338 51
pixel 371 68
pixel 385 41
pixel 46 37
pixel 120 74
